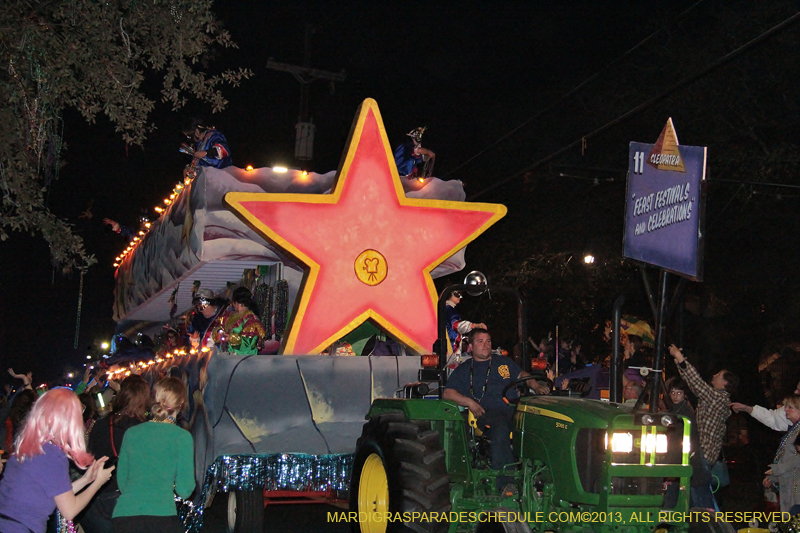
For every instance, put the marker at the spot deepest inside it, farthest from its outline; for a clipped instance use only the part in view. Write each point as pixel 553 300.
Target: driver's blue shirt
pixel 503 370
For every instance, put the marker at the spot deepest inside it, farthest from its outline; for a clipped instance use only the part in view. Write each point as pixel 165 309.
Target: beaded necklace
pixel 787 440
pixel 281 308
pixel 64 525
pixel 485 381
pixel 168 420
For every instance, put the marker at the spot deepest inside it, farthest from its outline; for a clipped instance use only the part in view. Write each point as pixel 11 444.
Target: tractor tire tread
pixel 415 466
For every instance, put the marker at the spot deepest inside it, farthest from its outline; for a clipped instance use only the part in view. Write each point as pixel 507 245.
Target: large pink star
pixel 337 236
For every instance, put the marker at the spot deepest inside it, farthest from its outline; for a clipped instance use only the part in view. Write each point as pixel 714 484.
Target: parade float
pixel 333 259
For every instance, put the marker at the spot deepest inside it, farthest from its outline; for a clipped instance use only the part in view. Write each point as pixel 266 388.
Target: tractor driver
pixel 478 385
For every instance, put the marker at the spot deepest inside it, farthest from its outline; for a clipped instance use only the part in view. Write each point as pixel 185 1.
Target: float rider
pixel 207 309
pixel 457 328
pixel 209 147
pixel 410 157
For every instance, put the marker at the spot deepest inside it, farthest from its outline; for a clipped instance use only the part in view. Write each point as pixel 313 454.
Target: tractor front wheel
pixel 399 469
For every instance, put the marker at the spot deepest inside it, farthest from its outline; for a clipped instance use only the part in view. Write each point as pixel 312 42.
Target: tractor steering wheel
pixel 513 383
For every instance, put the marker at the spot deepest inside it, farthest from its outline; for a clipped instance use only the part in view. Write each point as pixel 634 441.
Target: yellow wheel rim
pixel 373 496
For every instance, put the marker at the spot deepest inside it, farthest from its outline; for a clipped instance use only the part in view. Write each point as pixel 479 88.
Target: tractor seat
pixel 473 423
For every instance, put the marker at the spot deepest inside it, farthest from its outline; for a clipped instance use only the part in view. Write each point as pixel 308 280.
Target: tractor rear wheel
pixel 400 468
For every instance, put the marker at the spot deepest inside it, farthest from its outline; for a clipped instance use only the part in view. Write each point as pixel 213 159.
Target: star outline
pixel 235 201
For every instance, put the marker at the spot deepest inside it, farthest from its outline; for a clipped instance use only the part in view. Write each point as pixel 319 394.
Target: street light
pixel 588 259
pixel 104 346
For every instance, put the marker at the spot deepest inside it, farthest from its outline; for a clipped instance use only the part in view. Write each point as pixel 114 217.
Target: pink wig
pixel 56 418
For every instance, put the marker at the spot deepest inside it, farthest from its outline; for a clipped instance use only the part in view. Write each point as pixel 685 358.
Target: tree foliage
pixel 114 58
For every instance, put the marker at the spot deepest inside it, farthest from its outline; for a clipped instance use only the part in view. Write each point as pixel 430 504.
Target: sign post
pixel 664 219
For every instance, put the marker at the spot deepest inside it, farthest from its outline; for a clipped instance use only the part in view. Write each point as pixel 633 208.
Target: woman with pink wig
pixel 36 479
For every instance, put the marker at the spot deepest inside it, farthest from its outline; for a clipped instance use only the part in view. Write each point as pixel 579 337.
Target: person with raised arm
pixel 36 480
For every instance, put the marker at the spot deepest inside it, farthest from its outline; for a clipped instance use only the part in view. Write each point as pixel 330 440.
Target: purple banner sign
pixel 664 208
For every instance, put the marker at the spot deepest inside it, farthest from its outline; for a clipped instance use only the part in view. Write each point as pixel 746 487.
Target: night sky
pixel 472 72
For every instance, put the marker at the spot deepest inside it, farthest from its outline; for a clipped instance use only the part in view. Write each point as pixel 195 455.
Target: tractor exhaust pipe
pixel 615 377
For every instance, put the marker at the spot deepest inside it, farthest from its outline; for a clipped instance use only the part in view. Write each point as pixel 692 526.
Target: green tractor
pixel 583 466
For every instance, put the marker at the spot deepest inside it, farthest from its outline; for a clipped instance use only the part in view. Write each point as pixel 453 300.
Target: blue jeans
pixel 702 496
pixel 499 432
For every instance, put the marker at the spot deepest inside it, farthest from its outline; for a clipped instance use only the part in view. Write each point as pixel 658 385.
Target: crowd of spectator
pixel 87 446
pixel 67 460
pixel 708 405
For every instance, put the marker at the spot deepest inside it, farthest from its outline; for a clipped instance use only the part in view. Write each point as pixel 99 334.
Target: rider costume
pixel 218 155
pixel 239 333
pixel 456 327
pixel 407 157
pixel 197 323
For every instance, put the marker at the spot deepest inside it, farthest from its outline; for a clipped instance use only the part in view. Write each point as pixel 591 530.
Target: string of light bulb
pixel 176 192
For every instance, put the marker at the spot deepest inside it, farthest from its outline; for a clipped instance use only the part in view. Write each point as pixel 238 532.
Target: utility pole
pixel 304 130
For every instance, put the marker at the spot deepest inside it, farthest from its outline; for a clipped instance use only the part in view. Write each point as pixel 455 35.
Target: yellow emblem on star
pixel 371 267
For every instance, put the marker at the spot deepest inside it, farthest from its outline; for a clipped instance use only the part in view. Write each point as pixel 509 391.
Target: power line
pixel 689 79
pixel 742 183
pixel 573 90
pixel 756 183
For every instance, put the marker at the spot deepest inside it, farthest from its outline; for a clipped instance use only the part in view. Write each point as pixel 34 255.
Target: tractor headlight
pixel 655 442
pixel 620 442
pixel 667 420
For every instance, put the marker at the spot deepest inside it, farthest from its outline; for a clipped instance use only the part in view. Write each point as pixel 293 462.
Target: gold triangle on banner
pixel 666 154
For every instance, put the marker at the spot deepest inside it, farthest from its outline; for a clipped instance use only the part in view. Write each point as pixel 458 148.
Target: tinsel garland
pixel 281 308
pixel 280 471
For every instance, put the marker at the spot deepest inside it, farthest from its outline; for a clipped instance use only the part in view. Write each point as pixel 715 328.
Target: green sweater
pixel 156 460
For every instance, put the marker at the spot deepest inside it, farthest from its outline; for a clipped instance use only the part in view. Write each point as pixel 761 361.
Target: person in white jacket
pixel 772 418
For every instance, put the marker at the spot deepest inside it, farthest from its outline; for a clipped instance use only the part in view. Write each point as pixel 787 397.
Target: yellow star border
pixel 234 201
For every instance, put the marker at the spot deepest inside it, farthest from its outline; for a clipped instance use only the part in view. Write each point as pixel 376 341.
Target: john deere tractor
pixel 584 466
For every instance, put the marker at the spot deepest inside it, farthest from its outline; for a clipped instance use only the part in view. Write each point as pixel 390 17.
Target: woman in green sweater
pixel 156 461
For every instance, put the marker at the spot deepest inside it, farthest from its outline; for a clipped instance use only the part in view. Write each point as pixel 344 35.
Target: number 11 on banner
pixel 638 162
